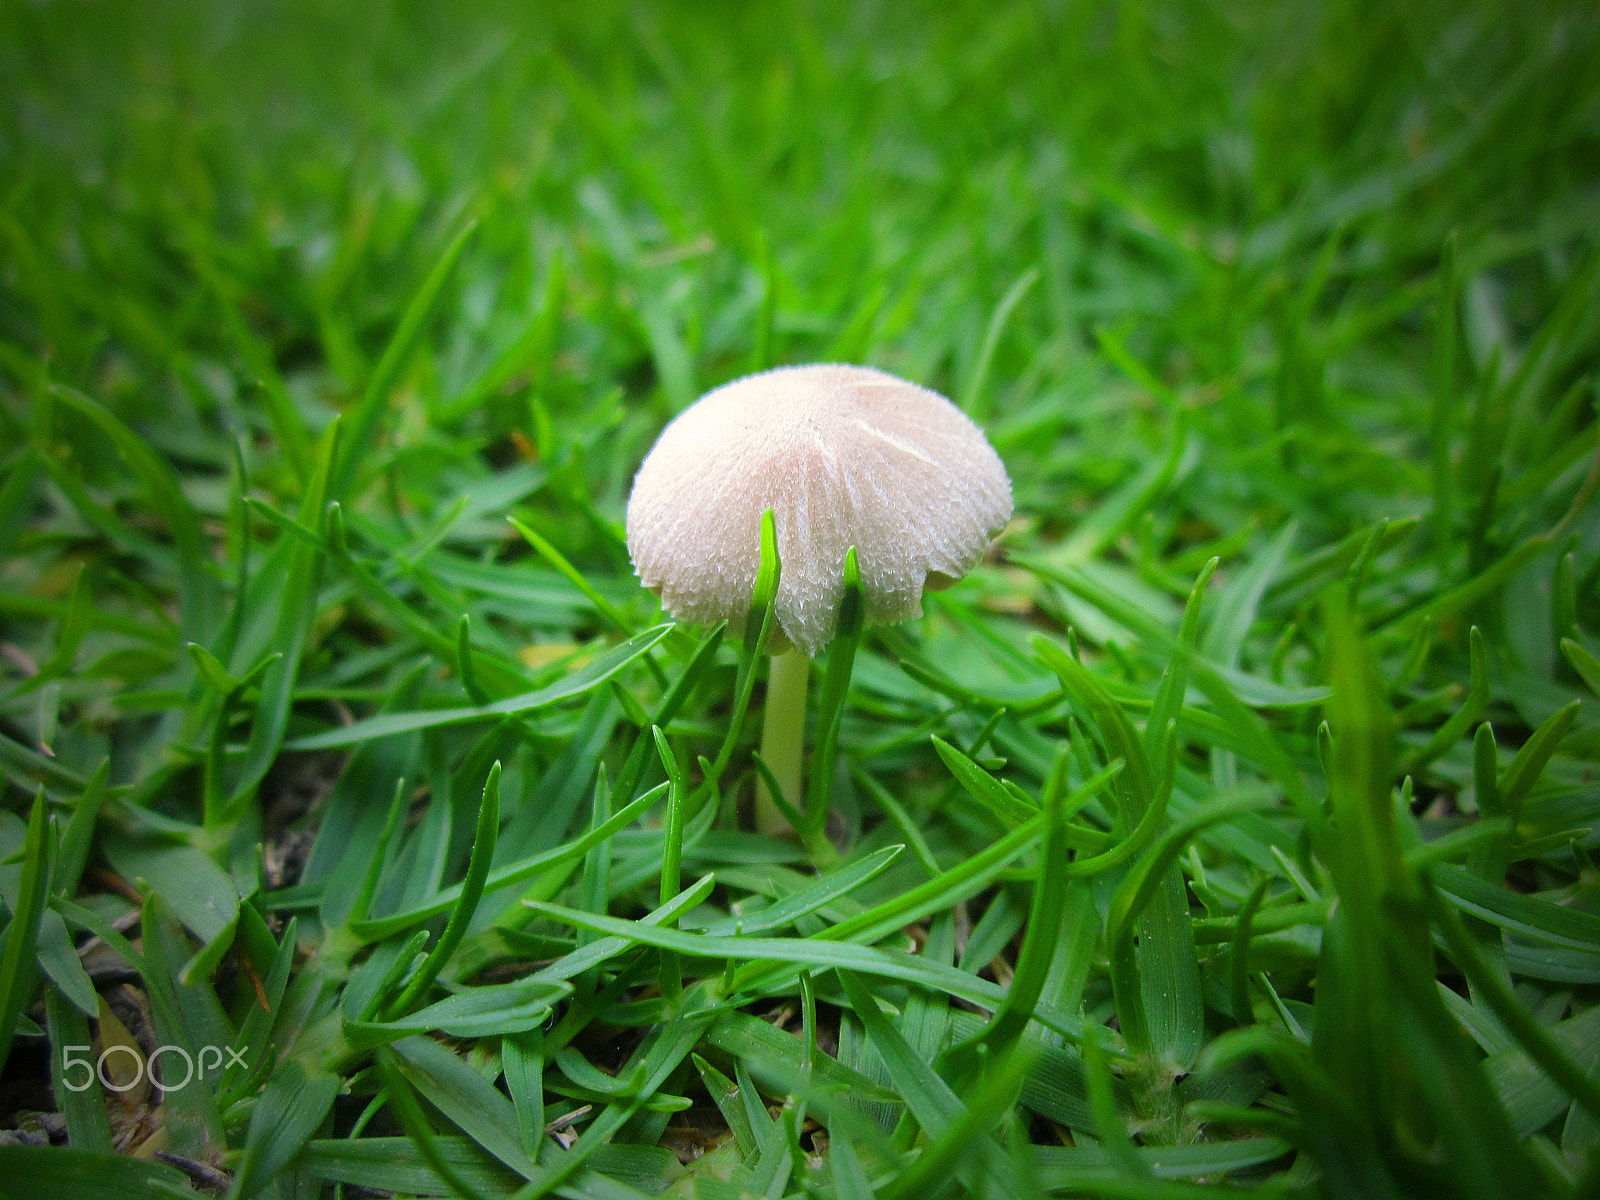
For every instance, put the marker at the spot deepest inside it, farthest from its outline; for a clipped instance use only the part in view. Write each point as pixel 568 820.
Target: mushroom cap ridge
pixel 844 456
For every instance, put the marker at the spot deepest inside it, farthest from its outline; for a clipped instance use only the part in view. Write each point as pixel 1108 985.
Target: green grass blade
pixel 196 586
pixel 1136 891
pixel 506 1009
pixel 891 964
pixel 964 1140
pixel 298 603
pixel 975 397
pixel 58 958
pixel 1448 734
pixel 87 1175
pixel 984 787
pixel 831 702
pixel 1532 1036
pixel 522 1058
pixel 1441 423
pixel 576 684
pixel 1042 930
pixel 289 1111
pixel 79 1096
pixel 557 560
pixel 19 976
pixel 415 1124
pixel 514 872
pixel 369 410
pixel 455 929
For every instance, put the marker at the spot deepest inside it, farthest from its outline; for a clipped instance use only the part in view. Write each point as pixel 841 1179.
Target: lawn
pixel 368 829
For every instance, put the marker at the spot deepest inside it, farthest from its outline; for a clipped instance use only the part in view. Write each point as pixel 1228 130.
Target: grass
pixel 1232 828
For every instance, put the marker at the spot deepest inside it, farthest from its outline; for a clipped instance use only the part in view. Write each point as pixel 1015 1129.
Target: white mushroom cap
pixel 844 456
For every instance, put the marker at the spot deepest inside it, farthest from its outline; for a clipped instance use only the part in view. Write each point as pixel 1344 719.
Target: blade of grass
pixel 289 1111
pixel 404 1103
pixel 1136 890
pixel 975 398
pixel 670 974
pixel 936 1107
pixel 1042 930
pixel 196 586
pixel 298 605
pixel 831 703
pixel 446 901
pixel 873 960
pixel 455 929
pixel 19 976
pixel 576 684
pixel 949 1155
pixel 1444 394
pixel 369 410
pixel 81 1100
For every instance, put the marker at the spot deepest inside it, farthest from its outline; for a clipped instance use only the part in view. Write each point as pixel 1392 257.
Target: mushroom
pixel 843 456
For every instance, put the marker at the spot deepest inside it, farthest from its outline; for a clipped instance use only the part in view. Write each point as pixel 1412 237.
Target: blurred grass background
pixel 1251 198
pixel 1219 279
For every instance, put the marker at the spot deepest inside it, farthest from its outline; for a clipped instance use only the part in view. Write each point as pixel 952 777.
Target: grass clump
pixel 1232 828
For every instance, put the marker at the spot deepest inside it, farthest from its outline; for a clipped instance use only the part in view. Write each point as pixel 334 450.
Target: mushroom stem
pixel 783 733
